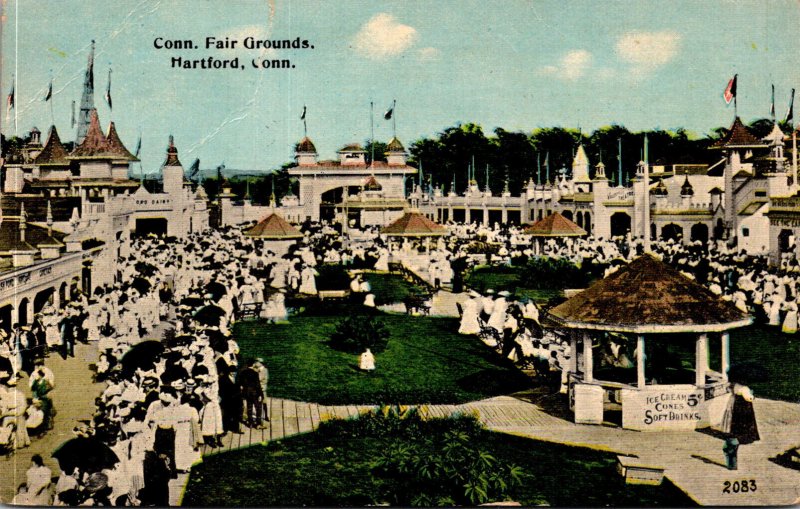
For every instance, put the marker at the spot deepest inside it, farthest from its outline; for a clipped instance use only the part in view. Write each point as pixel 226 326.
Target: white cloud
pixel 647 51
pixel 428 53
pixel 572 66
pixel 383 37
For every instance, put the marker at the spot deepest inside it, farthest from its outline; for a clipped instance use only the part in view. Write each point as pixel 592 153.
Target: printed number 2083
pixel 743 486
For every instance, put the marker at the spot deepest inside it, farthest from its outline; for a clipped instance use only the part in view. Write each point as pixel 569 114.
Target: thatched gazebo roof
pixel 414 224
pixel 648 296
pixel 274 227
pixel 555 225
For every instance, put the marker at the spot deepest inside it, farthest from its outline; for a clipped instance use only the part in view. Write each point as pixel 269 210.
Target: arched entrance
pixel 62 295
pixel 587 222
pixel 5 317
pixel 154 225
pixel 579 219
pixel 329 199
pixel 22 312
pixel 786 241
pixel 567 214
pixel 42 298
pixel 719 229
pixel 620 224
pixel 699 232
pixel 671 232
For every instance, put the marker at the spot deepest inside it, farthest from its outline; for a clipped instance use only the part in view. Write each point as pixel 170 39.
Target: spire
pixel 686 188
pixel 95 144
pixel 115 145
pixel 172 153
pixel 87 99
pixel 23 221
pixel 49 219
pixel 580 166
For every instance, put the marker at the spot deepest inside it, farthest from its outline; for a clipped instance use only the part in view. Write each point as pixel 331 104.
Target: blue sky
pixel 514 64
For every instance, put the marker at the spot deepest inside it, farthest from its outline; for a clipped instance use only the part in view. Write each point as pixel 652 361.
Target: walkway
pixel 693 461
pixel 73 396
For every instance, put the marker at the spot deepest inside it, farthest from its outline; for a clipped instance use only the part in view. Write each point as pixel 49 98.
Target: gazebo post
pixel 640 380
pixel 726 355
pixel 588 361
pixel 573 344
pixel 701 360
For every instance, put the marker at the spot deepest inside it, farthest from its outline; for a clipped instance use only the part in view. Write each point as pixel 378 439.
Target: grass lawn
pixel 335 467
pixel 426 361
pixel 506 278
pixel 777 357
pixel 390 288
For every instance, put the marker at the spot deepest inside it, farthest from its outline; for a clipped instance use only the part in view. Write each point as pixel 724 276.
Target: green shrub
pixel 358 332
pixel 332 277
pixel 552 273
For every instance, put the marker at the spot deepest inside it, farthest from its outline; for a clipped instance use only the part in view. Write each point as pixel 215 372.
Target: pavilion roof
pixel 648 296
pixel 738 136
pixel 274 227
pixel 53 152
pixel 115 145
pixel 94 145
pixel 555 225
pixel 413 224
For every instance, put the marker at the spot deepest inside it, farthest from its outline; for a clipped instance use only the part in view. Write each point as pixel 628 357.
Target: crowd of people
pixel 167 397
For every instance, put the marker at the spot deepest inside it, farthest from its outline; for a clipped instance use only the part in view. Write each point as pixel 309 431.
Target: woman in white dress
pixel 382 265
pixel 367 361
pixel 790 322
pixel 469 320
pixel 308 282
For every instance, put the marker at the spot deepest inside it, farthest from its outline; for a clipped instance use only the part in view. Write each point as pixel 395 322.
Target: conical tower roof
pixel 395 145
pixel 738 137
pixel 274 227
pixel 116 146
pixel 555 225
pixel 95 144
pixel 413 224
pixel 53 153
pixel 580 166
pixel 649 296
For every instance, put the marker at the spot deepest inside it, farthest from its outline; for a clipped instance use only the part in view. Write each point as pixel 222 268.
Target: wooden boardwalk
pixel 692 460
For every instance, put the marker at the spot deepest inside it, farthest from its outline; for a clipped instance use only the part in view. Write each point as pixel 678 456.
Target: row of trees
pixel 508 156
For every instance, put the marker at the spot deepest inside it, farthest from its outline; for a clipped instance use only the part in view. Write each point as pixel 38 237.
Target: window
pixel 745 232
pixel 761 194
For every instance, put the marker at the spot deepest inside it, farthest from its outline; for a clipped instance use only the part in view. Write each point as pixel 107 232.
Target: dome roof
pixel 172 154
pixel 660 189
pixel 306 145
pixel 686 188
pixel 352 147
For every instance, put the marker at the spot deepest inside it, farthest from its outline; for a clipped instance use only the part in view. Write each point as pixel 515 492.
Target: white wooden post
pixel 701 359
pixel 726 355
pixel 640 380
pixel 588 362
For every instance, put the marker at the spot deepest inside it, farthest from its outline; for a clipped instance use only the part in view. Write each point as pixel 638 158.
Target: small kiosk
pixel 553 226
pixel 651 344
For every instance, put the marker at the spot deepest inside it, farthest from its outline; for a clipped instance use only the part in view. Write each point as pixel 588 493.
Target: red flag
pixel 730 90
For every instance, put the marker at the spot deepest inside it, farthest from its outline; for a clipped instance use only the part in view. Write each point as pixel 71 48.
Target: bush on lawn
pixel 358 332
pixel 552 273
pixel 332 277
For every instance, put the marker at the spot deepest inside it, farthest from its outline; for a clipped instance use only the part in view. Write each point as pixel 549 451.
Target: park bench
pixel 251 310
pixel 332 294
pixel 417 303
pixel 635 472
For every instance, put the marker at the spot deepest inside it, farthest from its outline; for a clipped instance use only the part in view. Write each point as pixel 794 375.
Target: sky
pixel 516 64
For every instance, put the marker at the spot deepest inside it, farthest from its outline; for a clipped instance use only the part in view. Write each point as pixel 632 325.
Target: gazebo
pixel 413 224
pixel 610 323
pixel 276 231
pixel 554 225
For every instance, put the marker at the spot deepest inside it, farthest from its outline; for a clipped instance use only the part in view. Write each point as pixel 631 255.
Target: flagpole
pixel 394 118
pixel 16 59
pixel 619 157
pixel 646 197
pixel 50 99
pixel 372 133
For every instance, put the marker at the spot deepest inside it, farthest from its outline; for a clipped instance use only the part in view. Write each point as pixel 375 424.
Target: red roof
pixel 555 225
pixel 414 224
pixel 306 145
pixel 95 143
pixel 115 145
pixel 53 152
pixel 738 137
pixel 274 227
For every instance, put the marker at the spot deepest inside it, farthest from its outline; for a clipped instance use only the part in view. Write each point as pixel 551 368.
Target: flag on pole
pixel 772 106
pixel 72 122
pixel 108 90
pixel 389 113
pixel 303 116
pixel 49 93
pixel 790 111
pixel 138 147
pixel 10 98
pixel 730 91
